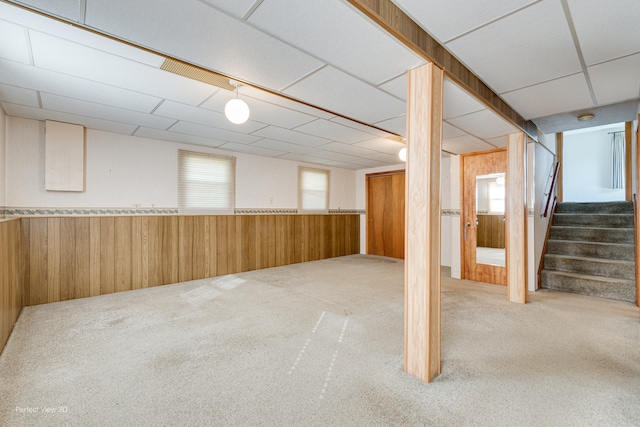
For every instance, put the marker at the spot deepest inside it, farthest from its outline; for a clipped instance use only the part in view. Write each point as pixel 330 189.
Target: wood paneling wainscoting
pixel 10 277
pixel 75 257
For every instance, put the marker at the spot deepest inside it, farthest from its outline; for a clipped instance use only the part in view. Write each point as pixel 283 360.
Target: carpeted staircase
pixel 590 250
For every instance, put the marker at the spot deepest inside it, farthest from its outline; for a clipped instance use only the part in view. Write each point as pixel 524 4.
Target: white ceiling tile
pixel 89 122
pixel 283 101
pixel 68 9
pixel 165 135
pixel 17 49
pixel 366 163
pixel 18 95
pixel 251 149
pixel 450 131
pixel 333 131
pixel 385 158
pixel 70 58
pixel 339 147
pixel 283 146
pixel 484 124
pixel 446 19
pixel 361 127
pixel 204 117
pixel 499 142
pixel 330 155
pixel 261 111
pixel 465 144
pixel 396 87
pixel 213 133
pixel 625 85
pixel 555 96
pixel 457 102
pixel 106 112
pixel 101 43
pixel 292 136
pixel 304 158
pixel 606 29
pixel 54 27
pixel 197 33
pixel 337 34
pixel 382 145
pixel 508 54
pixel 236 7
pixel 29 77
pixel 343 165
pixel 397 125
pixel 358 100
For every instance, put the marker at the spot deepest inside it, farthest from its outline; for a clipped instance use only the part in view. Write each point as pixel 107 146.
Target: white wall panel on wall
pixel 123 170
pixel 64 156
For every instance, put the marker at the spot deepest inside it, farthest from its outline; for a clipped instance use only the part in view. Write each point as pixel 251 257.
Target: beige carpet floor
pixel 319 344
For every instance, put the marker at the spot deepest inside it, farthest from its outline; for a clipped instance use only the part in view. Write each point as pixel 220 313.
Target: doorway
pixel 385 213
pixel 483 218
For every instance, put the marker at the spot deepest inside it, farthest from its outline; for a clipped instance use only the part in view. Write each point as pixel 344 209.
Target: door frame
pixel 368 198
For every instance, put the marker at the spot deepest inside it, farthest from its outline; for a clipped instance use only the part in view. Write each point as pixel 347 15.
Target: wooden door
pixel 481 261
pixel 385 214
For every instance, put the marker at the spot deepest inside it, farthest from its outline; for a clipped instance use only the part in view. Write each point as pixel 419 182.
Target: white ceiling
pixel 543 57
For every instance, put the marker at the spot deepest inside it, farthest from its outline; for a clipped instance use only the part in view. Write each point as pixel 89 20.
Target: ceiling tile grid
pixel 617 30
pixel 514 48
pixel 350 42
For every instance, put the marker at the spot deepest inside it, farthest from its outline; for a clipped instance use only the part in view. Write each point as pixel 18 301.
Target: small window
pixel 313 190
pixel 206 183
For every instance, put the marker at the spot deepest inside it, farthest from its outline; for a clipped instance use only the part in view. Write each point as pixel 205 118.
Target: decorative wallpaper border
pixel 450 212
pixel 86 212
pixel 16 212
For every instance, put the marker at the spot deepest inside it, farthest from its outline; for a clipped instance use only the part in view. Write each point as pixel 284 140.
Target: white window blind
pixel 206 183
pixel 313 190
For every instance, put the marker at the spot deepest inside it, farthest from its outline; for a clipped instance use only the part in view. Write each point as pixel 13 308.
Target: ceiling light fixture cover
pixel 585 117
pixel 403 154
pixel 236 110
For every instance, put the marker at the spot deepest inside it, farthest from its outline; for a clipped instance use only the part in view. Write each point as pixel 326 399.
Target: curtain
pixel 617 157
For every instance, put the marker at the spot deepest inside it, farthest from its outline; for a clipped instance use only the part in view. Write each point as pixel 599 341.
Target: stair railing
pixel 550 202
pixel 551 183
pixel 546 239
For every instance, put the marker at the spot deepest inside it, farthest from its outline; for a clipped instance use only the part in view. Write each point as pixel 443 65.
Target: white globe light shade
pixel 237 111
pixel 403 154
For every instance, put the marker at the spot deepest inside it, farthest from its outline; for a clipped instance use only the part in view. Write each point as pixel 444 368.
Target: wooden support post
pixel 637 224
pixel 516 219
pixel 422 225
pixel 559 160
pixel 628 168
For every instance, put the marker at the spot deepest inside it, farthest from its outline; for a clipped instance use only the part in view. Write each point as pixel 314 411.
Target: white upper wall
pixel 587 165
pixel 123 170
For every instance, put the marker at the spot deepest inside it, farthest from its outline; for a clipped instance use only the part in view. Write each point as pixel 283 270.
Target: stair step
pixel 592 234
pixel 603 287
pixel 591 266
pixel 601 208
pixel 617 220
pixel 602 250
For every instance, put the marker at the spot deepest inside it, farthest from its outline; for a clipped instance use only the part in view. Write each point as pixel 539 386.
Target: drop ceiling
pixel 348 73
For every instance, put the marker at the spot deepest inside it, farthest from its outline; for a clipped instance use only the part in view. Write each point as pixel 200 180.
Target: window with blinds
pixel 313 190
pixel 206 183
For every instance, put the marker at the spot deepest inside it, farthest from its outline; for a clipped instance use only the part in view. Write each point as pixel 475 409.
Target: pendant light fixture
pixel 403 154
pixel 236 110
